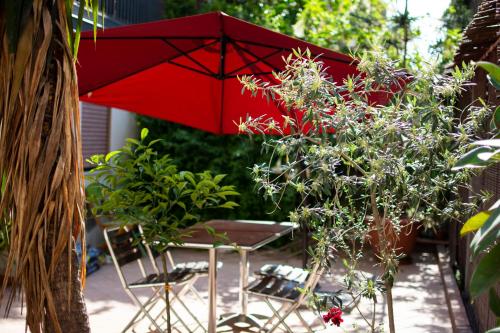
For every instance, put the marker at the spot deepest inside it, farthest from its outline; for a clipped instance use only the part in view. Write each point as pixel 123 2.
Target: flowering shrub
pixel 378 146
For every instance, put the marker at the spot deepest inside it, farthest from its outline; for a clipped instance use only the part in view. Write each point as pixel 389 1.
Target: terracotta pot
pixel 402 243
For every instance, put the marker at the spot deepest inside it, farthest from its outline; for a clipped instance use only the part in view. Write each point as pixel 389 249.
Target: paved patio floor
pixel 420 305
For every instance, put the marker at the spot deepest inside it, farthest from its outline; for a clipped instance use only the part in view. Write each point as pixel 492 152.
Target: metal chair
pixel 197 268
pixel 282 283
pixel 125 246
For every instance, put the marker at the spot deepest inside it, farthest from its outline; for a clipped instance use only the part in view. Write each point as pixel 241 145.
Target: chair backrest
pixel 126 245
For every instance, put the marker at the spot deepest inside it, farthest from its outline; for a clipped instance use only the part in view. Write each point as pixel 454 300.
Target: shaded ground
pixel 420 303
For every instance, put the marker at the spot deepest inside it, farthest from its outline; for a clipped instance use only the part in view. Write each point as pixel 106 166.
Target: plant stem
pixel 373 315
pixel 390 306
pixel 384 252
pixel 167 290
pixel 405 30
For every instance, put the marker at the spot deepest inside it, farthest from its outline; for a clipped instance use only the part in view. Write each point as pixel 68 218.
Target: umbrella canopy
pixel 186 70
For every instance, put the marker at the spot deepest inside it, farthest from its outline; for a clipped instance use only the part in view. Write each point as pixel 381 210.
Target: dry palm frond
pixel 40 158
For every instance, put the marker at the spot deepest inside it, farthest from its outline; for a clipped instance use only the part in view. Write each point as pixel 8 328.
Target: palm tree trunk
pixel 70 307
pixel 40 159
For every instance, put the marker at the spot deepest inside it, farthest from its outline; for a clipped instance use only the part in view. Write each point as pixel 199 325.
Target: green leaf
pixel 492 69
pixel 495 205
pixel 181 204
pixel 153 142
pixel 217 243
pixel 133 141
pixel 496 119
pixel 493 330
pixel 111 154
pixel 218 178
pixel 487 273
pixel 229 205
pixel 78 30
pixel 95 13
pixel 69 21
pixel 494 302
pixel 474 223
pixel 471 159
pixel 490 156
pixel 495 83
pixel 144 133
pixel 487 234
pixel 226 193
pixel 210 230
pixel 188 216
pixel 490 143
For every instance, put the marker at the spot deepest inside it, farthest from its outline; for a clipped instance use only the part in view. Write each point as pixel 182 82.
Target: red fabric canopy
pixel 185 70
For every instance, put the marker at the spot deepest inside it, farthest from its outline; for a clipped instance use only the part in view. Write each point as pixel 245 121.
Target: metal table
pixel 248 236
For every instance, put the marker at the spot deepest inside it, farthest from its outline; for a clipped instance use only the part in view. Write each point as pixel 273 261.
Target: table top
pixel 245 234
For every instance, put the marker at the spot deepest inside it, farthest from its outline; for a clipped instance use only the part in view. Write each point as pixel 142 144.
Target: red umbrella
pixel 185 70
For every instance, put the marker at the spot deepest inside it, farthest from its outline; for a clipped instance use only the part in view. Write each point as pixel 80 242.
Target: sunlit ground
pixel 420 304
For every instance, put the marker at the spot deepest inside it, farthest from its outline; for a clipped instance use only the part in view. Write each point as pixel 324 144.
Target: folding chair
pixel 281 283
pixel 126 246
pixel 197 268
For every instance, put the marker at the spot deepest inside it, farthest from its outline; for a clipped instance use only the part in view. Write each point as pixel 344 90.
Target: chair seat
pixel 153 280
pixel 286 272
pixel 195 267
pixel 272 287
pixel 282 282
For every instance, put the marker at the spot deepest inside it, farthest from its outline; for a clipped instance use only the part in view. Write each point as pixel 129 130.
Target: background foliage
pixel 137 185
pixel 342 25
pixel 455 19
pixel 196 150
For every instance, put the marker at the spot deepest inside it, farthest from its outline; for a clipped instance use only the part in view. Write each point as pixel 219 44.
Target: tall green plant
pixel 486 224
pixel 41 161
pixel 380 144
pixel 136 186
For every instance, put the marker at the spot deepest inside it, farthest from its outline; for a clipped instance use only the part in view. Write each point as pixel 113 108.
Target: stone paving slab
pixel 420 305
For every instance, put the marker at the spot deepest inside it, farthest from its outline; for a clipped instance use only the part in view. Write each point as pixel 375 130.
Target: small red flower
pixel 334 316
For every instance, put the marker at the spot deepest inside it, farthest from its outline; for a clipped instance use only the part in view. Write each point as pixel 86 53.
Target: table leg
pixel 243 280
pixel 212 290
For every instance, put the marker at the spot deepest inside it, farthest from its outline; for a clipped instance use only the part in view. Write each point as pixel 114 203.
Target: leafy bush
pixel 486 224
pixel 377 147
pixel 137 185
pixel 231 155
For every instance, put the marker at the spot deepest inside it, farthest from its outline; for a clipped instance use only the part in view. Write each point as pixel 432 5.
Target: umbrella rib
pixel 186 54
pixel 192 69
pixel 148 37
pixel 290 49
pixel 253 62
pixel 211 37
pixel 257 57
pixel 248 74
pixel 149 66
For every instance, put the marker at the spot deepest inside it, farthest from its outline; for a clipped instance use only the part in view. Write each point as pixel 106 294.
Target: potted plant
pixel 136 186
pixel 402 241
pixel 372 145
